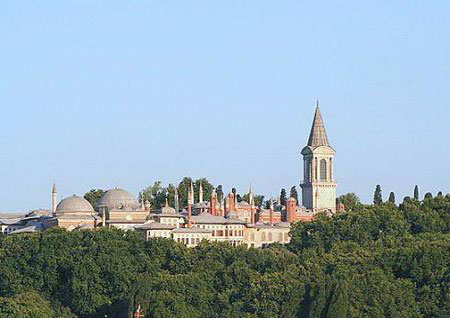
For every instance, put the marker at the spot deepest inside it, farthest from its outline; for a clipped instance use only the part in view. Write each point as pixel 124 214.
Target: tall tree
pixel 93 196
pixel 183 190
pixel 350 201
pixel 439 195
pixel 207 189
pixel 340 303
pixel 283 197
pixel 391 197
pixel 377 196
pixel 219 192
pixel 259 199
pixel 416 192
pixel 428 195
pixel 294 193
pixel 156 194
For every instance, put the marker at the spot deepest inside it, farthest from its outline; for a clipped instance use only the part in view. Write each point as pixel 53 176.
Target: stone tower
pixel 318 186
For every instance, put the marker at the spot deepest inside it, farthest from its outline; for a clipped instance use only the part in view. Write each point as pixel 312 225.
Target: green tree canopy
pixel 350 201
pixel 93 196
pixel 416 192
pixel 294 193
pixel 377 196
pixel 391 197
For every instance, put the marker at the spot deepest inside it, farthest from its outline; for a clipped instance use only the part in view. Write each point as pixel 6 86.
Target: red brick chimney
pixel 213 203
pixel 231 202
pixel 291 206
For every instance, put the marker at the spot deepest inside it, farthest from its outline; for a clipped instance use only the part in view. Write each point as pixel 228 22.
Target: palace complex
pixel 219 219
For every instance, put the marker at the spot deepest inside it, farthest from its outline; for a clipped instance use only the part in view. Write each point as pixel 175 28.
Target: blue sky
pixel 95 94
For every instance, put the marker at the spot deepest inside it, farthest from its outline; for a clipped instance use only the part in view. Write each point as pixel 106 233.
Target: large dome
pixel 118 199
pixel 74 204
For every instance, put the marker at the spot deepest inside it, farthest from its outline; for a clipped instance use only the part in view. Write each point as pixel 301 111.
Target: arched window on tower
pixel 331 169
pixel 323 170
pixel 308 171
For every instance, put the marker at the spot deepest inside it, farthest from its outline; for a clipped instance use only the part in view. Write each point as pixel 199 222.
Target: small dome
pixel 118 199
pixel 243 204
pixel 74 204
pixel 168 209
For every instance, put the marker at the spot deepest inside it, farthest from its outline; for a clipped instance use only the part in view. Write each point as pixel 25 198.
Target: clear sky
pixel 95 94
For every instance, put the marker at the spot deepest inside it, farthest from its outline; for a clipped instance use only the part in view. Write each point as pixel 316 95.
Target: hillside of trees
pixel 379 260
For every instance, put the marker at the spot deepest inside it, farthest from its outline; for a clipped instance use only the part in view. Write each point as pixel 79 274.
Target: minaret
pixel 318 186
pixel 177 200
pixel 190 196
pixel 192 193
pixel 200 193
pixel 54 200
pixel 251 201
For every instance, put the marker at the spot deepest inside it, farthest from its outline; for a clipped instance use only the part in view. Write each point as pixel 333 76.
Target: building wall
pixel 262 236
pixel 233 233
pixel 190 239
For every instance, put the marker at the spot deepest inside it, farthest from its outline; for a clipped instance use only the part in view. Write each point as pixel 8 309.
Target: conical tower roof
pixel 318 135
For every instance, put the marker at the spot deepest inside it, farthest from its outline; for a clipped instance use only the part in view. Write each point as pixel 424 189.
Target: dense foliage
pixel 374 261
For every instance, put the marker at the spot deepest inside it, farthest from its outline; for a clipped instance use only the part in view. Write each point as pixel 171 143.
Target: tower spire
pixel 318 135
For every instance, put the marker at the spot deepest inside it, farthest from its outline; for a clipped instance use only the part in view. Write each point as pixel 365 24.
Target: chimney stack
pixel 271 212
pixel 291 205
pixel 213 203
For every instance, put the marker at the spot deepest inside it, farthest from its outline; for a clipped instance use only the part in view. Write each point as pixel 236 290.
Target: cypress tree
pixel 428 195
pixel 440 194
pixel 294 193
pixel 391 198
pixel 340 302
pixel 416 192
pixel 283 197
pixel 377 196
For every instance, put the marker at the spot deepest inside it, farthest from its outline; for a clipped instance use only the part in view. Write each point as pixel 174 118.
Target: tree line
pixel 378 260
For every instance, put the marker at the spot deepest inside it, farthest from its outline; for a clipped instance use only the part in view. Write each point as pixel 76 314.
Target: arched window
pixel 270 236
pixel 323 170
pixel 263 236
pixel 331 169
pixel 308 170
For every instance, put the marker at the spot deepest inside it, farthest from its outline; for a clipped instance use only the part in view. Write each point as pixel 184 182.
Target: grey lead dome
pixel 74 204
pixel 118 199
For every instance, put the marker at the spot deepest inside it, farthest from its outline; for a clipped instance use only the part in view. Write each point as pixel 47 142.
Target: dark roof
pixel 154 226
pixel 191 230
